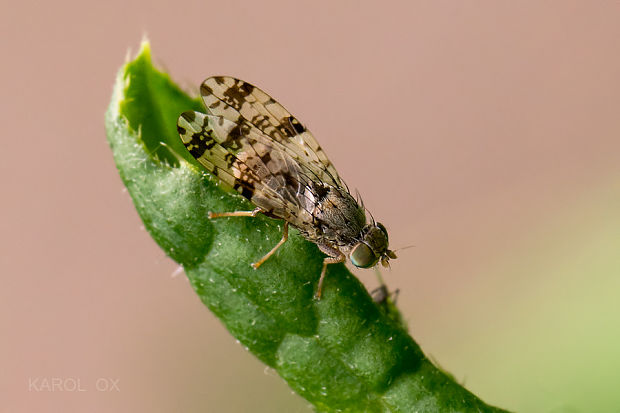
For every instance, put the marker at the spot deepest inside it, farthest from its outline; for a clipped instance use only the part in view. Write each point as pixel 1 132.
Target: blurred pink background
pixel 487 134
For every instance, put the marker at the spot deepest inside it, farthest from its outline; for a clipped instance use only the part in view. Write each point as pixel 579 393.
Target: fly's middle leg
pixel 258 263
pixel 253 213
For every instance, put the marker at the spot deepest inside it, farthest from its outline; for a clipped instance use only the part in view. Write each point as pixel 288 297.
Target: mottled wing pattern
pixel 243 103
pixel 251 163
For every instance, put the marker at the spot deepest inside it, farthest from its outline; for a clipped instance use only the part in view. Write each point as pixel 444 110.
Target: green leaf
pixel 342 353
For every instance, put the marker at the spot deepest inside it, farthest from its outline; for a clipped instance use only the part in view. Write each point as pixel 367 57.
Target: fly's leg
pixel 326 261
pixel 335 256
pixel 258 263
pixel 252 213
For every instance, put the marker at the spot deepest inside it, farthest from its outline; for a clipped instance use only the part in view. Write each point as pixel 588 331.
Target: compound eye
pixel 362 256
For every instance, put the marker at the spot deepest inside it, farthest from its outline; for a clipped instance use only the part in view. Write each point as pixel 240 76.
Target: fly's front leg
pixel 335 256
pixel 258 263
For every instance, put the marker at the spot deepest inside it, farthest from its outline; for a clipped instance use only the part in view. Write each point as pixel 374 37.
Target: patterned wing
pixel 241 102
pixel 253 164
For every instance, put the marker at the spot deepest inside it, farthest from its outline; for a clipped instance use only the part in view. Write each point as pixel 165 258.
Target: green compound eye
pixel 362 256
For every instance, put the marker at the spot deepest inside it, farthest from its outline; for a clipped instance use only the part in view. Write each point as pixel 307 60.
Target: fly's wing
pixel 243 103
pixel 248 161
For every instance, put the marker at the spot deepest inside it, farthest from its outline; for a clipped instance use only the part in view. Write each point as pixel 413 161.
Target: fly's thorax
pixel 336 213
pixel 372 247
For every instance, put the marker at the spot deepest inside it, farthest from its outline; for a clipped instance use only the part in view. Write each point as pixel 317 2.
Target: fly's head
pixel 372 248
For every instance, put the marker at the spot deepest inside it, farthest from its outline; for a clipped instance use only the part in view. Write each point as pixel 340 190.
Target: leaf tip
pixel 145 46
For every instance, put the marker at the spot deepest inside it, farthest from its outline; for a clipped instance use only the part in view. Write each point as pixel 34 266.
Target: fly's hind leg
pixel 335 256
pixel 252 213
pixel 258 263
